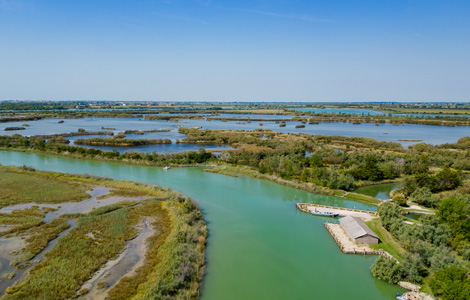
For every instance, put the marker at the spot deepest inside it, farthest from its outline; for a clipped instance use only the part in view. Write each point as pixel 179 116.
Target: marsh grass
pixel 22 186
pixel 174 262
pixel 181 258
pixel 38 237
pixel 76 257
pixel 127 286
pixel 22 219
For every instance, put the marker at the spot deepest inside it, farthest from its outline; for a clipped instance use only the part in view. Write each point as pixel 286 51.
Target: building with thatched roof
pixel 358 231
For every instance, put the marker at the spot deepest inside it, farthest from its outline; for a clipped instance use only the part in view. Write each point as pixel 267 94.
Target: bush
pixel 387 269
pixel 400 200
pixel 424 196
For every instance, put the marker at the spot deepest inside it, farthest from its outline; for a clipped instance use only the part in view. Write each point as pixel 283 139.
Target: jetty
pixel 341 211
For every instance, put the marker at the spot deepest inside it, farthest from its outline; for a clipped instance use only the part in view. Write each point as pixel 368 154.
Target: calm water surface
pixel 359 111
pixel 385 132
pixel 379 191
pixel 259 245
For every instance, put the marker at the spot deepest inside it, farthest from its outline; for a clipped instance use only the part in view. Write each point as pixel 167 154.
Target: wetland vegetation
pixel 174 260
pixel 433 178
pixel 122 142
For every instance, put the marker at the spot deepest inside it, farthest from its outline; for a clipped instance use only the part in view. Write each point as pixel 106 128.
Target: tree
pixel 424 196
pixel 451 283
pixel 400 200
pixel 346 182
pixel 389 214
pixel 387 269
pixel 368 170
pixel 413 268
pixel 448 179
pixel 454 211
pixel 409 185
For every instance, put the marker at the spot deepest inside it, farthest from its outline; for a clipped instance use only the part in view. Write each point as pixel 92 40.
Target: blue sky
pixel 203 50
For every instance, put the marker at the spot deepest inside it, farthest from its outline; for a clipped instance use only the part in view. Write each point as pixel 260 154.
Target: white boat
pixel 324 213
pixel 166 167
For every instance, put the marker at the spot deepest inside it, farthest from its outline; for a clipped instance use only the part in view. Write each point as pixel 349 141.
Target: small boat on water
pixel 166 168
pixel 405 296
pixel 323 213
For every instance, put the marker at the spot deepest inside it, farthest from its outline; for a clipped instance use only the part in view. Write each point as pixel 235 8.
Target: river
pixel 259 245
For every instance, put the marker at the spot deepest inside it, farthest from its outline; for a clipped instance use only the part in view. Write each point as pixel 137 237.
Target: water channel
pixel 259 245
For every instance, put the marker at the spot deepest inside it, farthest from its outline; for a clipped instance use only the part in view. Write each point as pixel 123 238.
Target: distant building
pixel 358 231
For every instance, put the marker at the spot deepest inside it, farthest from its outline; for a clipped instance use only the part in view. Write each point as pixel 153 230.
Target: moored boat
pixel 323 213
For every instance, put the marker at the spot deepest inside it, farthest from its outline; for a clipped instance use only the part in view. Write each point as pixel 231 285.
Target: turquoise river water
pixel 259 245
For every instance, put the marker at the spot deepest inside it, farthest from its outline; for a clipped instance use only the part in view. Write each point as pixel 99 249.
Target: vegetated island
pixel 14 128
pixel 124 142
pixel 170 266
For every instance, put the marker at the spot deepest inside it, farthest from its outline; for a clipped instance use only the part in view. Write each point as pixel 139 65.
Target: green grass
pixel 362 198
pixel 24 187
pixel 388 243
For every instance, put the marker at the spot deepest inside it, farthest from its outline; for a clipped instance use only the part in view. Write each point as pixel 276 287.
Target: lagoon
pixel 385 132
pixel 259 245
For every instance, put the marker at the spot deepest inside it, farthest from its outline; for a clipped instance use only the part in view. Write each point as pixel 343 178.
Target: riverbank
pixel 132 159
pixel 234 171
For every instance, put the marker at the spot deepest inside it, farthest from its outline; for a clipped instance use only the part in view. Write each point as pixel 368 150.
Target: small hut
pixel 358 231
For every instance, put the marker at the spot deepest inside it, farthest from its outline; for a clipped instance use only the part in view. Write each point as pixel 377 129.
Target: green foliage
pixel 423 196
pixel 368 170
pixel 400 200
pixel 427 245
pixel 451 283
pixel 454 212
pixel 389 213
pixel 387 269
pixel 446 179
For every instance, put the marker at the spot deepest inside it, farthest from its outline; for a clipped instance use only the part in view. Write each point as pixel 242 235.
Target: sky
pixel 211 50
